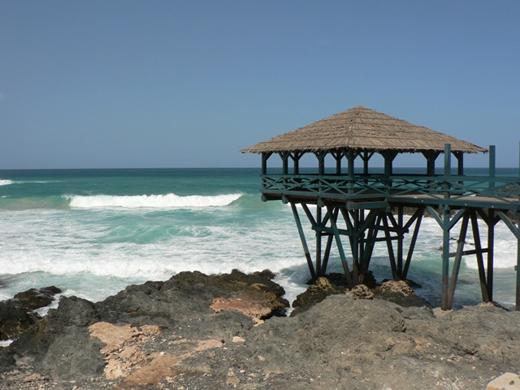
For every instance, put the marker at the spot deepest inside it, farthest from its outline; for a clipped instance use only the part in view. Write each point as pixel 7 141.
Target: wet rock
pixel 14 320
pixel 16 314
pixel 35 298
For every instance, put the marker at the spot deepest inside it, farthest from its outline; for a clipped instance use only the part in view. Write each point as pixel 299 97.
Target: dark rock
pixel 317 292
pixel 14 320
pixel 16 314
pixel 35 298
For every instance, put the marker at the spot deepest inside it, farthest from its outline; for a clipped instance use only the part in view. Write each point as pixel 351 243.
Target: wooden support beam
pixel 321 162
pixel 430 156
pixel 389 246
pixel 470 252
pixel 517 301
pixel 326 255
pixel 480 258
pixel 400 241
pixel 458 259
pixel 460 163
pixel 296 161
pixel 303 240
pixel 445 257
pixel 412 242
pixel 309 214
pixel 341 252
pixel 491 222
pixel 265 157
pixel 492 166
pixel 319 226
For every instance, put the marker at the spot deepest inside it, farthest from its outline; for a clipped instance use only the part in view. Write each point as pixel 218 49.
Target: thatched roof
pixel 361 128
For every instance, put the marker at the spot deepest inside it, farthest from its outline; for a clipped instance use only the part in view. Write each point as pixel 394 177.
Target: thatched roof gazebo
pixel 353 209
pixel 363 131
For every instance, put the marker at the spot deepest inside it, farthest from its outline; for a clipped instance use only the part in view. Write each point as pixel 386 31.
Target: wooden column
pixel 460 163
pixel 445 256
pixel 492 166
pixel 265 157
pixel 321 162
pixel 285 162
pixel 319 226
pixel 303 240
pixel 491 222
pixel 296 161
pixel 351 156
pixel 389 159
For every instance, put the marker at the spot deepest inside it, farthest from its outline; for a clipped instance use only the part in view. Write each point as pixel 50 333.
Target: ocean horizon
pixel 92 232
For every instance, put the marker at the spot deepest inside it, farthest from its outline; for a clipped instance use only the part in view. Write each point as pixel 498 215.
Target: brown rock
pixel 361 291
pixel 506 381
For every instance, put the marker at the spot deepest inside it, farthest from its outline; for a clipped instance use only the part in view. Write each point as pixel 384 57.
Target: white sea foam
pixel 167 201
pixel 5 182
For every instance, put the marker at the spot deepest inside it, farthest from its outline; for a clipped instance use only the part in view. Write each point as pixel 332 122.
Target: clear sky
pixel 188 83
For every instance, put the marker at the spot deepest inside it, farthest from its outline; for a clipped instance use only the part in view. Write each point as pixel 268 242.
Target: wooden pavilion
pixel 367 206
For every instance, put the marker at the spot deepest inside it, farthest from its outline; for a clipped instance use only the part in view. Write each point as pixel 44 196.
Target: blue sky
pixel 181 84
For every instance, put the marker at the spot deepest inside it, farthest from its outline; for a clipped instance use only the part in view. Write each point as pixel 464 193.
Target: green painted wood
pixel 341 252
pixel 319 227
pixel 458 259
pixel 492 166
pixel 411 248
pixel 490 252
pixel 303 240
pixel 389 246
pixel 445 257
pixel 480 258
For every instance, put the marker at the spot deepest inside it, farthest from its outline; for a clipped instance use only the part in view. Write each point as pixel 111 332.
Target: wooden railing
pixel 488 189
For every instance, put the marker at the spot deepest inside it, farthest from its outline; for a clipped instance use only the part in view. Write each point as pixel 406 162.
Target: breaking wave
pixel 5 182
pixel 167 201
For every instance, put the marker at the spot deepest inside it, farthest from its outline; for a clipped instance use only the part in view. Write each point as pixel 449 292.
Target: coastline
pixel 229 331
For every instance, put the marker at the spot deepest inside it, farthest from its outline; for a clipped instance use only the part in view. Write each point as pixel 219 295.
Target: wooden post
pixel 265 157
pixel 319 226
pixel 389 246
pixel 285 162
pixel 338 156
pixel 400 240
pixel 366 158
pixel 303 240
pixel 447 159
pixel 321 163
pixel 447 168
pixel 458 259
pixel 412 242
pixel 517 301
pixel 350 159
pixel 492 166
pixel 491 222
pixel 296 160
pixel 445 255
pixel 460 163
pixel 480 258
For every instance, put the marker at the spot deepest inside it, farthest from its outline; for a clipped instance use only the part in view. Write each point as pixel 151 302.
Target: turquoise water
pixel 92 232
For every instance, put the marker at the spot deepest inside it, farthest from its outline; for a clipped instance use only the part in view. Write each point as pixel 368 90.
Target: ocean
pixel 93 232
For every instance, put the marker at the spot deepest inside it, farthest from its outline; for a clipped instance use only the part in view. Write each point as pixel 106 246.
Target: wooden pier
pixel 356 208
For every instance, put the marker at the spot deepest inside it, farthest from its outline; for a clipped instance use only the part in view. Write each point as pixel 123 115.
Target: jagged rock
pixel 340 342
pixel 35 298
pixel 400 292
pixel 16 314
pixel 361 291
pixel 317 292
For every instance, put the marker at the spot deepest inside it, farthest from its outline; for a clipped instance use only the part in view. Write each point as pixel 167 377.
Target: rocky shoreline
pixel 196 331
